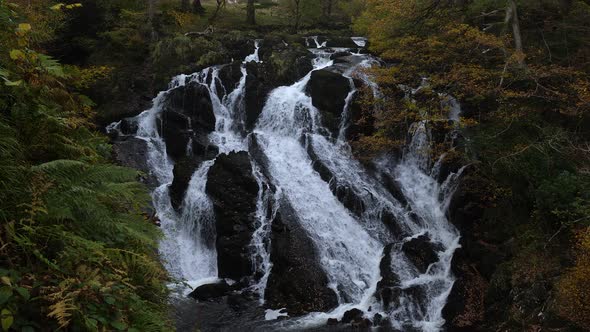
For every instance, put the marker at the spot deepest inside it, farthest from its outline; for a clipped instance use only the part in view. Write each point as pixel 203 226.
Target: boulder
pixel 352 316
pixel 133 152
pixel 421 252
pixel 183 172
pixel 128 126
pixel 211 291
pixel 297 281
pixel 339 55
pixel 233 191
pixel 188 113
pixel 186 165
pixel 229 77
pixel 328 91
pixel 341 41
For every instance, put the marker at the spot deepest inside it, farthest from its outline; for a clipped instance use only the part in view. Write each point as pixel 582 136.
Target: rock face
pixel 233 190
pixel 328 91
pixel 187 119
pixel 421 252
pixel 188 114
pixel 388 290
pixel 297 281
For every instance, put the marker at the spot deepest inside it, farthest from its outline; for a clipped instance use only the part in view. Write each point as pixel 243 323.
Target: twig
pixel 561 228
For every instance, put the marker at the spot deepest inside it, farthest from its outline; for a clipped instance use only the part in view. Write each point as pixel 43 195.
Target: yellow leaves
pixel 17 55
pixel 6 280
pixel 85 77
pixel 62 312
pixel 61 6
pixel 7 319
pixel 23 29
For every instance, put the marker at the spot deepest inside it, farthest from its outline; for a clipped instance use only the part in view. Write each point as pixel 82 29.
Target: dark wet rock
pixel 186 165
pixel 233 191
pixel 188 113
pixel 394 188
pixel 258 86
pixel 132 152
pixel 194 102
pixel 128 126
pixel 345 194
pixel 318 165
pixel 352 316
pixel 343 63
pixel 281 65
pixel 229 76
pixel 421 252
pixel 328 91
pixel 211 291
pixel 239 46
pixel 416 294
pixel 332 322
pixel 339 55
pixel 388 290
pixel 348 197
pixel 297 281
pixel 338 41
pixel 393 224
pixel 183 172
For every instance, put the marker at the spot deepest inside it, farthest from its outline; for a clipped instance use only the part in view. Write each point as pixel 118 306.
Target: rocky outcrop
pixel 233 191
pixel 421 252
pixel 187 119
pixel 297 281
pixel 388 290
pixel 188 113
pixel 328 91
pixel 132 152
pixel 281 65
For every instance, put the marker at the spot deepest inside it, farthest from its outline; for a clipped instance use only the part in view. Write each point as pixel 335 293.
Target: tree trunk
pixel 251 13
pixel 297 15
pixel 512 16
pixel 198 7
pixel 152 4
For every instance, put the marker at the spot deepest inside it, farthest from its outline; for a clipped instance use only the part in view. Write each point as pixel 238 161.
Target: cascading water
pixel 350 243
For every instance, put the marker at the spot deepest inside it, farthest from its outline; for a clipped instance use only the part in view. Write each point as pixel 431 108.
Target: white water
pixel 349 244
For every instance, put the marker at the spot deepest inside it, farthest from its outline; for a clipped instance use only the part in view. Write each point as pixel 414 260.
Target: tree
pixel 327 6
pixel 251 13
pixel 220 4
pixel 198 7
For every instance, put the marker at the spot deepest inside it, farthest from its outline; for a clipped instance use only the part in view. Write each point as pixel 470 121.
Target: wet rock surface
pixel 328 91
pixel 188 114
pixel 388 290
pixel 297 281
pixel 421 252
pixel 211 291
pixel 233 191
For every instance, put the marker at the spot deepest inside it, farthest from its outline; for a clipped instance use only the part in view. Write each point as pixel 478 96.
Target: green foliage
pixel 525 118
pixel 75 250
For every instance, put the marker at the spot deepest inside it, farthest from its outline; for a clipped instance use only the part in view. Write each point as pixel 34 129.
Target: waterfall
pixel 350 235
